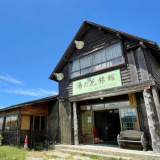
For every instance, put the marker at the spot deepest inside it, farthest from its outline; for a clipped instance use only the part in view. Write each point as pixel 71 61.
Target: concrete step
pixel 96 154
pixel 111 151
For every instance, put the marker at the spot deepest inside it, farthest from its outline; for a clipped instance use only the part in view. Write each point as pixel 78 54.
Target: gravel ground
pixel 54 155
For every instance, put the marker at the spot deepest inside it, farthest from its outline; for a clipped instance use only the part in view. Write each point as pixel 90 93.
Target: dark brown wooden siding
pixel 53 122
pixel 11 137
pixel 133 71
pixel 155 68
pixel 65 121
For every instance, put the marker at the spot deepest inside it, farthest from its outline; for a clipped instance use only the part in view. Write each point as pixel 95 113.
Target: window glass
pixel 117 104
pixel 99 60
pixel 74 68
pixel 36 122
pixel 39 123
pixel 98 106
pixel 86 123
pixel 85 107
pixel 43 122
pixel 11 123
pixel 114 54
pixel 129 119
pixel 1 122
pixel 86 64
pixel 103 58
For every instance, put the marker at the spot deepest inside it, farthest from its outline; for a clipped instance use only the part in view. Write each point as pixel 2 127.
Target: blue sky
pixel 34 34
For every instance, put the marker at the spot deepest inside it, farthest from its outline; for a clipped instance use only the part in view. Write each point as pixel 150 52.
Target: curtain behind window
pixel 114 54
pixel 74 68
pixel 86 64
pixel 99 60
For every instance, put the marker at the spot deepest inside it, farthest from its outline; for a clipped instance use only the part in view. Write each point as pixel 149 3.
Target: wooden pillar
pixel 76 141
pixel 151 121
pixel 156 101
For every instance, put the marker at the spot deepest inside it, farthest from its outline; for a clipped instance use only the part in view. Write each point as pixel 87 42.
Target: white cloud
pixel 30 92
pixel 7 78
pixel 1 107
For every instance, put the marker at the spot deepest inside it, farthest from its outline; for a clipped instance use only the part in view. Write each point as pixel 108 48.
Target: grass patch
pixel 12 153
pixel 82 154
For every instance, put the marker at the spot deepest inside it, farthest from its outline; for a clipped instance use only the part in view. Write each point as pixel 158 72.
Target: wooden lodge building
pixel 111 84
pixel 37 119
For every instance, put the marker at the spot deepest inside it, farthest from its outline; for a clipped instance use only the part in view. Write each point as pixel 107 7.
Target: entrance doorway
pixel 107 124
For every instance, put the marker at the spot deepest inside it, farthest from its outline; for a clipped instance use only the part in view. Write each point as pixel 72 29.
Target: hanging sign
pixel 132 99
pixel 96 83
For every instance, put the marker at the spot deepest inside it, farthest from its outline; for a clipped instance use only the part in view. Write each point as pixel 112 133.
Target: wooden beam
pixel 76 141
pixel 156 100
pixel 125 89
pixel 142 45
pixel 151 121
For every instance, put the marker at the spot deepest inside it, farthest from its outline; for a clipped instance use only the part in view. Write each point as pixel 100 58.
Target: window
pixel 74 68
pixel 99 60
pixel 98 106
pixel 1 123
pixel 25 123
pixel 117 104
pixel 114 54
pixel 103 58
pixel 39 123
pixel 86 123
pixel 129 119
pixel 86 64
pixel 11 123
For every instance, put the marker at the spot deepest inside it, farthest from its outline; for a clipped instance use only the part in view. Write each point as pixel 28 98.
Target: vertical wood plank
pixel 151 121
pixel 76 141
pixel 132 67
pixel 156 101
pixel 142 65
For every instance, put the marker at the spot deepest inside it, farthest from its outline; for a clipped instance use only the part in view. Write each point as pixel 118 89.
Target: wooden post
pixel 76 141
pixel 156 101
pixel 151 121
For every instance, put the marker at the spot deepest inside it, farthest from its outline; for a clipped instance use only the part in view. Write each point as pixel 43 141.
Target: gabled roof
pixel 46 99
pixel 82 30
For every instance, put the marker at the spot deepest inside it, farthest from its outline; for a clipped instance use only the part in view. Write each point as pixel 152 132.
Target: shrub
pixel 37 146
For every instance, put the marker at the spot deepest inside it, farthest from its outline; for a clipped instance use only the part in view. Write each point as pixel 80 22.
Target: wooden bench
pixel 132 136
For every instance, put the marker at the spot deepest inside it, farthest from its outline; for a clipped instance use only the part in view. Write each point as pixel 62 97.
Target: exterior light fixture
pixel 79 44
pixel 59 76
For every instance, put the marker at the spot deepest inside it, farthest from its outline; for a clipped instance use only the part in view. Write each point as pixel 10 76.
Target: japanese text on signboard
pixel 98 82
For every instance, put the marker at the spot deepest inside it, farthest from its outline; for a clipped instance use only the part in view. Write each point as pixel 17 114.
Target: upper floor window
pixel 104 58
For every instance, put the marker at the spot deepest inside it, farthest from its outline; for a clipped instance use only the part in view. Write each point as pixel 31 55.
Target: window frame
pixel 2 122
pixel 11 130
pixel 92 52
pixel 138 125
pixel 40 127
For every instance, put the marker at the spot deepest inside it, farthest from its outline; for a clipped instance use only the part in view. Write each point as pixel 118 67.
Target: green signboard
pixel 99 82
